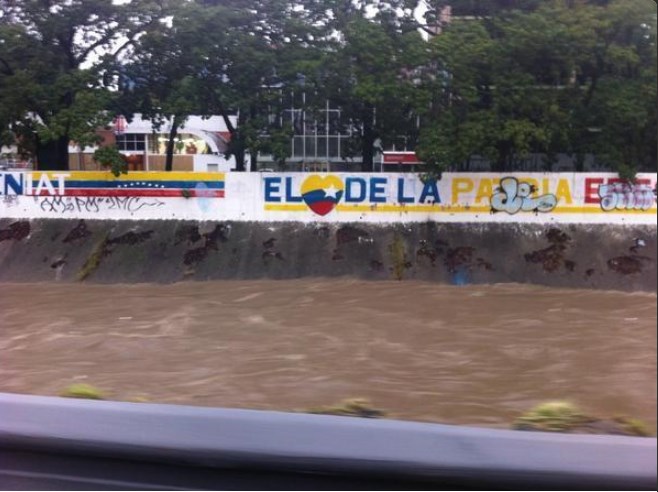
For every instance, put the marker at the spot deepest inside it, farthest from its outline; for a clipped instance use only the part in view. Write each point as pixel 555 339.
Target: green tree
pixel 52 56
pixel 373 77
pixel 162 79
pixel 575 77
pixel 269 44
pixel 224 58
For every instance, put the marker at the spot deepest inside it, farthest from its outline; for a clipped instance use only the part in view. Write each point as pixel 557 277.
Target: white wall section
pixel 340 197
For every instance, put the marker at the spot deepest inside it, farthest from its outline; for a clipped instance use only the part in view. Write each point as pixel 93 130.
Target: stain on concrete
pixel 628 265
pixel 553 258
pixel 337 256
pixel 16 231
pixel 188 234
pixel 80 231
pixel 270 251
pixel 107 246
pixel 194 256
pixel 458 257
pixel 131 238
pixel 323 232
pixel 482 263
pixel 426 251
pixel 210 239
pixel 58 263
pixel 349 234
pixel 595 256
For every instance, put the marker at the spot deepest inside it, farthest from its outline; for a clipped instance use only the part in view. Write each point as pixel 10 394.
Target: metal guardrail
pixel 57 443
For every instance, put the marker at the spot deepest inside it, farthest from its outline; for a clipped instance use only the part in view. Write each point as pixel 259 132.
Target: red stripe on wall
pixel 206 193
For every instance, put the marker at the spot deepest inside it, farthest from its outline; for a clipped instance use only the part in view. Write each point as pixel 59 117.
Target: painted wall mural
pixel 90 183
pixel 625 196
pixel 513 196
pixel 337 197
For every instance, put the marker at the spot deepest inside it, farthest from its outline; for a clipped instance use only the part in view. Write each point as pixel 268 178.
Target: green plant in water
pixel 634 427
pixel 84 391
pixel 398 257
pixel 94 259
pixel 354 407
pixel 560 416
pixel 553 416
pixel 138 399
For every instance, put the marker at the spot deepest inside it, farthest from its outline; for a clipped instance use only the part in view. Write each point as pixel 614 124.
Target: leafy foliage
pixel 109 156
pixel 52 58
pixel 576 78
pixel 513 78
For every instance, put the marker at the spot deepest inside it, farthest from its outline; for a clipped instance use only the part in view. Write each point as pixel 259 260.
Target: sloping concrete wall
pixel 620 257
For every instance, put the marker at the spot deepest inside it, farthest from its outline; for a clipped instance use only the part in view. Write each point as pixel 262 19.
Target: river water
pixel 475 355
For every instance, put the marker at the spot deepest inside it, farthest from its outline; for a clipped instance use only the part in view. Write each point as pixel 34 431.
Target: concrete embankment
pixel 589 256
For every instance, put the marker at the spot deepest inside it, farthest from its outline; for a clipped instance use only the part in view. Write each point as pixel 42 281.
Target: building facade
pixel 199 146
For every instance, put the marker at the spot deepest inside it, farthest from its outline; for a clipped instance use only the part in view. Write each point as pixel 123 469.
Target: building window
pixel 131 142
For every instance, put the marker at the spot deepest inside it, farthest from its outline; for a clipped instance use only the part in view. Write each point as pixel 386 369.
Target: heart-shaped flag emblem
pixel 322 194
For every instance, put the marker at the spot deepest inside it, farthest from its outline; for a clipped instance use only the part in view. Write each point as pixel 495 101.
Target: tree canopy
pixel 493 79
pixel 52 57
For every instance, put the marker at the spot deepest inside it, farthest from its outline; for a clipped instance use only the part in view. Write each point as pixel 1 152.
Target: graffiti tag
pixel 626 196
pixel 10 200
pixel 63 205
pixel 513 196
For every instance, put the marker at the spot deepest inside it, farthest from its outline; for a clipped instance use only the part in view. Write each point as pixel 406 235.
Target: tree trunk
pixel 236 144
pixel 53 155
pixel 368 140
pixel 237 148
pixel 173 131
pixel 504 149
pixel 499 164
pixel 580 162
pixel 238 153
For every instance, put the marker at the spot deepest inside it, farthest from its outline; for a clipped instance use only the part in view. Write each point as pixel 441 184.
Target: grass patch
pixel 562 416
pixel 354 407
pixel 94 259
pixel 83 391
pixel 398 257
pixel 553 416
pixel 635 427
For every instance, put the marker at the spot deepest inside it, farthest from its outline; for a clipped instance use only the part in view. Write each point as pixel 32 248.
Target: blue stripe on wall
pixel 217 185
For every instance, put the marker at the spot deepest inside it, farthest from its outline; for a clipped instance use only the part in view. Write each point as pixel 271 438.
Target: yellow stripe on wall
pixel 450 209
pixel 133 176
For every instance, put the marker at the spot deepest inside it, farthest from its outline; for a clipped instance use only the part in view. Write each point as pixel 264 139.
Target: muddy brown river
pixel 475 355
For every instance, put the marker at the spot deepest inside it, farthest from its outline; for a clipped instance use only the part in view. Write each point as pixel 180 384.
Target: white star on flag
pixel 331 192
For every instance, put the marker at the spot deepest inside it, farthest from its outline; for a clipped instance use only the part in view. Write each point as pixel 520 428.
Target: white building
pixel 200 145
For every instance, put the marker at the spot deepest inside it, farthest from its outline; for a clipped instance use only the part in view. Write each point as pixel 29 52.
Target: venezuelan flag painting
pixel 322 194
pixel 145 184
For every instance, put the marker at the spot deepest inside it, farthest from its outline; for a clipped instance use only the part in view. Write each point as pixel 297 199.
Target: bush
pixel 350 408
pixel 110 157
pixel 84 391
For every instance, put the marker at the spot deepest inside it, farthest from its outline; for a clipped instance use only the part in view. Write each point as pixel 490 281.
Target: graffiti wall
pixel 341 197
pixel 101 195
